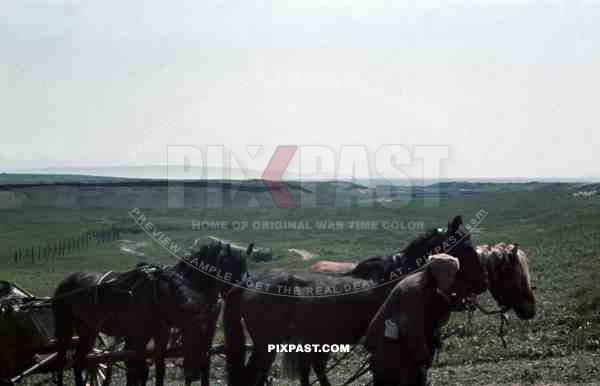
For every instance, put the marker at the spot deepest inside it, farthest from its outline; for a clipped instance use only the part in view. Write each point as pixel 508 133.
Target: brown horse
pixel 120 304
pixel 509 279
pixel 142 304
pixel 271 318
pixel 232 262
pixel 404 360
pixel 199 367
pixel 332 267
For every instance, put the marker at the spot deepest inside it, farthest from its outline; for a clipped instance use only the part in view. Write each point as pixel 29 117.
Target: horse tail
pixel 291 366
pixel 235 340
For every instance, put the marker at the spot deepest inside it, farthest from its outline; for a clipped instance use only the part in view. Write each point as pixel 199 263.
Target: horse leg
pixel 259 366
pixel 139 370
pixel 129 365
pixel 159 372
pixel 204 374
pixel 144 368
pixel 422 376
pixel 251 369
pixel 319 365
pixel 304 363
pixel 210 334
pixel 161 341
pixel 64 335
pixel 87 337
pixel 205 371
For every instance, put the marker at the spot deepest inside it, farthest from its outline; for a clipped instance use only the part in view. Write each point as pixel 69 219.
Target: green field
pixel 559 232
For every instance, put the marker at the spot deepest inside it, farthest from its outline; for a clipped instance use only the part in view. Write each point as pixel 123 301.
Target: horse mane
pixel 205 253
pixel 509 277
pixel 364 264
pixel 418 246
pixel 493 255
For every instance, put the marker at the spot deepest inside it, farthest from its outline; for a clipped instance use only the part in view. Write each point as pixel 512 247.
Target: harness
pixel 97 286
pixel 501 312
pixel 472 305
pixel 100 282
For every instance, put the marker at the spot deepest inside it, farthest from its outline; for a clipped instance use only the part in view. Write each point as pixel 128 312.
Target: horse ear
pixel 514 254
pixel 444 269
pixel 250 248
pixel 466 239
pixel 455 224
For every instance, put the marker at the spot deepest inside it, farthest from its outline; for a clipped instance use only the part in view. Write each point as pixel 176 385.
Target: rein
pixel 95 288
pixel 472 304
pixel 503 318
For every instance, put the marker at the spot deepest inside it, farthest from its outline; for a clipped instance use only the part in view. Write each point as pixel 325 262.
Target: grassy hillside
pixel 559 232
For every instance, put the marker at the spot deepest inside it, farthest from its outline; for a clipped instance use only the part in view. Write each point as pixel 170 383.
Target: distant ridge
pixel 22 180
pixel 92 181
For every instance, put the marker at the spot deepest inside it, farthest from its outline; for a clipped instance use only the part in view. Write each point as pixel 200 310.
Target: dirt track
pixel 579 368
pixel 303 253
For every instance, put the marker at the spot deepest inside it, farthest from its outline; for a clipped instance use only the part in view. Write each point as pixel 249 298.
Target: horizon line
pixel 526 179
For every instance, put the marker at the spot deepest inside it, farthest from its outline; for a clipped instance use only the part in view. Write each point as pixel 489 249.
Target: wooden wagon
pixel 28 345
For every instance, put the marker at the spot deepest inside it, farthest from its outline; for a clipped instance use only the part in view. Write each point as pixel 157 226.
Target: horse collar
pixel 103 277
pixel 96 289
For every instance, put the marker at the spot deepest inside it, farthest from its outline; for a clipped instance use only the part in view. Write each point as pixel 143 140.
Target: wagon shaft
pixel 34 369
pixel 123 355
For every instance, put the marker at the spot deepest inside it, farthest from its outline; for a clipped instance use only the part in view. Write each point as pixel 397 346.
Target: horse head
pixel 509 279
pixel 200 264
pixel 232 264
pixel 455 241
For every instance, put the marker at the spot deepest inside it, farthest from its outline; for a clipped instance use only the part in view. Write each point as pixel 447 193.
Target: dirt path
pixel 133 247
pixel 580 368
pixel 303 253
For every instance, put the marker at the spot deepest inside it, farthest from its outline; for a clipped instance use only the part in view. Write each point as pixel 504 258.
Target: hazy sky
pixel 86 83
